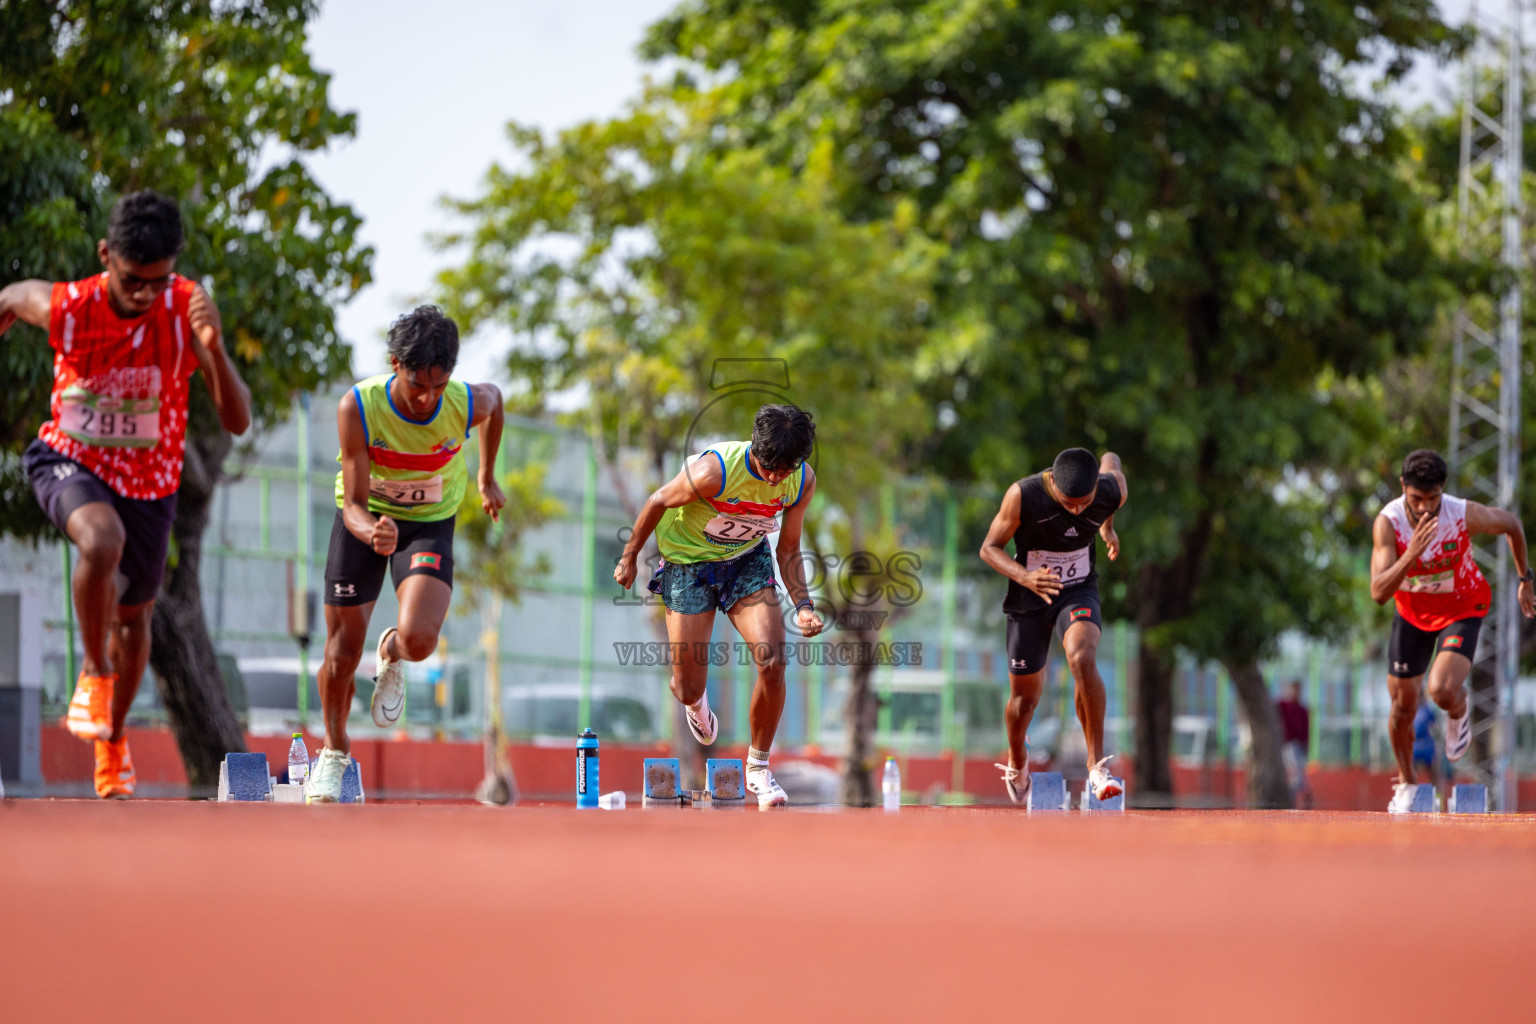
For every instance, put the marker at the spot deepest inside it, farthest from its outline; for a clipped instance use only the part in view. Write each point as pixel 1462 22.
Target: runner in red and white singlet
pixel 1422 558
pixel 106 465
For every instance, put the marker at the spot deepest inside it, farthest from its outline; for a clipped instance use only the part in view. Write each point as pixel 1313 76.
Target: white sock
pixel 756 758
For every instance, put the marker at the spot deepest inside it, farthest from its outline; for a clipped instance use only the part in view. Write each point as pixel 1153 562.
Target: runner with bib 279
pixel 711 523
pixel 1421 558
pixel 1052 519
pixel 401 481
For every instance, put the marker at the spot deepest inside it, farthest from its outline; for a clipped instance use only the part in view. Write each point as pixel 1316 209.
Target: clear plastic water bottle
pixel 298 761
pixel 890 785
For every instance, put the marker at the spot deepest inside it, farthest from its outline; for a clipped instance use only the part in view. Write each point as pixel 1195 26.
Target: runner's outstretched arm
pixel 1387 572
pixel 231 397
pixel 791 567
pixel 994 550
pixel 490 414
pixel 694 481
pixel 379 532
pixel 1482 519
pixel 27 301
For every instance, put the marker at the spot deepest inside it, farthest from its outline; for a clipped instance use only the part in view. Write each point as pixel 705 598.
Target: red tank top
pixel 1445 585
pixel 119 403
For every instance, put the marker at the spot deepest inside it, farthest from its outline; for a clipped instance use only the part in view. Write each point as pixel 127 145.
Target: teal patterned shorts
pixel 704 586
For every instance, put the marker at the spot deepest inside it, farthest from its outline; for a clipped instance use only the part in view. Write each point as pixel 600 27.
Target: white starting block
pixel 1116 803
pixel 1468 798
pixel 1047 792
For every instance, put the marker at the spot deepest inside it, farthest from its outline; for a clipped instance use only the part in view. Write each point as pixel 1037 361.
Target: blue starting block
pixel 1090 803
pixel 1423 800
pixel 663 780
pixel 1047 792
pixel 727 778
pixel 243 777
pixel 1468 798
pixel 351 781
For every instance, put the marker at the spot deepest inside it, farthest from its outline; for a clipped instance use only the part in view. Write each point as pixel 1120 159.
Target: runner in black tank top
pixel 1052 519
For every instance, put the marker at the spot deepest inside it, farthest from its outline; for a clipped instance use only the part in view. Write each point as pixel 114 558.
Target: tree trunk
pixel 1268 787
pixel 862 713
pixel 1154 728
pixel 181 651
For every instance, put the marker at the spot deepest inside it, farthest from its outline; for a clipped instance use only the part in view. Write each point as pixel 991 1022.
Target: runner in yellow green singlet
pixel 401 481
pixel 711 523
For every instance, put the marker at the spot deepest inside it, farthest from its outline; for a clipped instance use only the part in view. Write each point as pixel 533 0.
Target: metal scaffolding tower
pixel 1485 382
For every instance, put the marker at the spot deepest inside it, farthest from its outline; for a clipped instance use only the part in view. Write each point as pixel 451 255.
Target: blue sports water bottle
pixel 586 769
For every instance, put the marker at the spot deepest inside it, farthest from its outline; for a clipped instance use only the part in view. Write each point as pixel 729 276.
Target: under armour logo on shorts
pixel 1017 663
pixel 1399 667
pixel 346 590
pixel 63 470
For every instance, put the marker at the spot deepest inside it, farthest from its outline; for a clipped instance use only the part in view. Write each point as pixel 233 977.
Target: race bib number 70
pixel 1070 566
pixel 107 421
pixel 407 492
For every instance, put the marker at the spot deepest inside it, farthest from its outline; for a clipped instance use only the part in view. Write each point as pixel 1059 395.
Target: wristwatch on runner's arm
pixel 1529 576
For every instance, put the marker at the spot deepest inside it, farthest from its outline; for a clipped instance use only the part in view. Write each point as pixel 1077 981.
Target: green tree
pixel 633 263
pixel 1165 224
pixel 212 103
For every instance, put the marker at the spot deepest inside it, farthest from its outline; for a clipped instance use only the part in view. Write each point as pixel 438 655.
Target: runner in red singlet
pixel 1422 555
pixel 106 465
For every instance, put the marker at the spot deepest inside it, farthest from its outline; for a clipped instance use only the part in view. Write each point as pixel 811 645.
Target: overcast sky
pixel 433 86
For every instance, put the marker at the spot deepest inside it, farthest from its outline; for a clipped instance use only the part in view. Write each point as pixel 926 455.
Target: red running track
pixel 193 911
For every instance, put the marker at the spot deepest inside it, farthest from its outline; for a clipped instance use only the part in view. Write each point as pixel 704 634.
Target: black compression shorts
pixel 1029 635
pixel 354 573
pixel 1411 649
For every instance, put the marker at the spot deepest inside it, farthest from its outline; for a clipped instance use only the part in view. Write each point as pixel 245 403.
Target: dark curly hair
pixel 424 338
pixel 1424 469
pixel 145 227
pixel 782 436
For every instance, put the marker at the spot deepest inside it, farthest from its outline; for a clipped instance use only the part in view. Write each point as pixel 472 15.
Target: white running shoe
pixel 388 686
pixel 1016 780
pixel 769 793
pixel 1402 798
pixel 704 732
pixel 1458 734
pixel 324 783
pixel 1104 785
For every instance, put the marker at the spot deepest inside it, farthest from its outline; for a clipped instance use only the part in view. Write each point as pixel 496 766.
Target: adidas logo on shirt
pixel 1071 532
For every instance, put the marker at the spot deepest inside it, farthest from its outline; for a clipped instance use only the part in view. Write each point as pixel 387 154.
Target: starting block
pixel 244 778
pixel 727 779
pixel 663 781
pixel 1423 799
pixel 1114 803
pixel 1468 798
pixel 1047 792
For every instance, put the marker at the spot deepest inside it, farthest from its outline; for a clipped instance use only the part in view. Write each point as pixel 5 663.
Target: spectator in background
pixel 1295 742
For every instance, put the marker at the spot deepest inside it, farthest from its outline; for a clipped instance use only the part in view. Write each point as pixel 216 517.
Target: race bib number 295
pixel 106 421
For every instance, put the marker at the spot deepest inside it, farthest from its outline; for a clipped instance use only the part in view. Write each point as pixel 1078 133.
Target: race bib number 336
pixel 107 421
pixel 1070 566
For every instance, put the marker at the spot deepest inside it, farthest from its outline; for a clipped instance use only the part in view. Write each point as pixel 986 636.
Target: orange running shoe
pixel 115 777
pixel 90 710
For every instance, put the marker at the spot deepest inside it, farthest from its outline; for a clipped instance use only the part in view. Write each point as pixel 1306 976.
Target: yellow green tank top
pixel 731 523
pixel 415 468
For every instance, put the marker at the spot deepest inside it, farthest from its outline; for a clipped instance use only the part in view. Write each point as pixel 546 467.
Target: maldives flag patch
pixel 1080 613
pixel 427 560
pixel 1451 641
pixel 1448 547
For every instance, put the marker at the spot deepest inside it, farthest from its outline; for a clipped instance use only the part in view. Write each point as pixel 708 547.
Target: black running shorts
pixel 1029 635
pixel 62 485
pixel 1411 649
pixel 354 573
